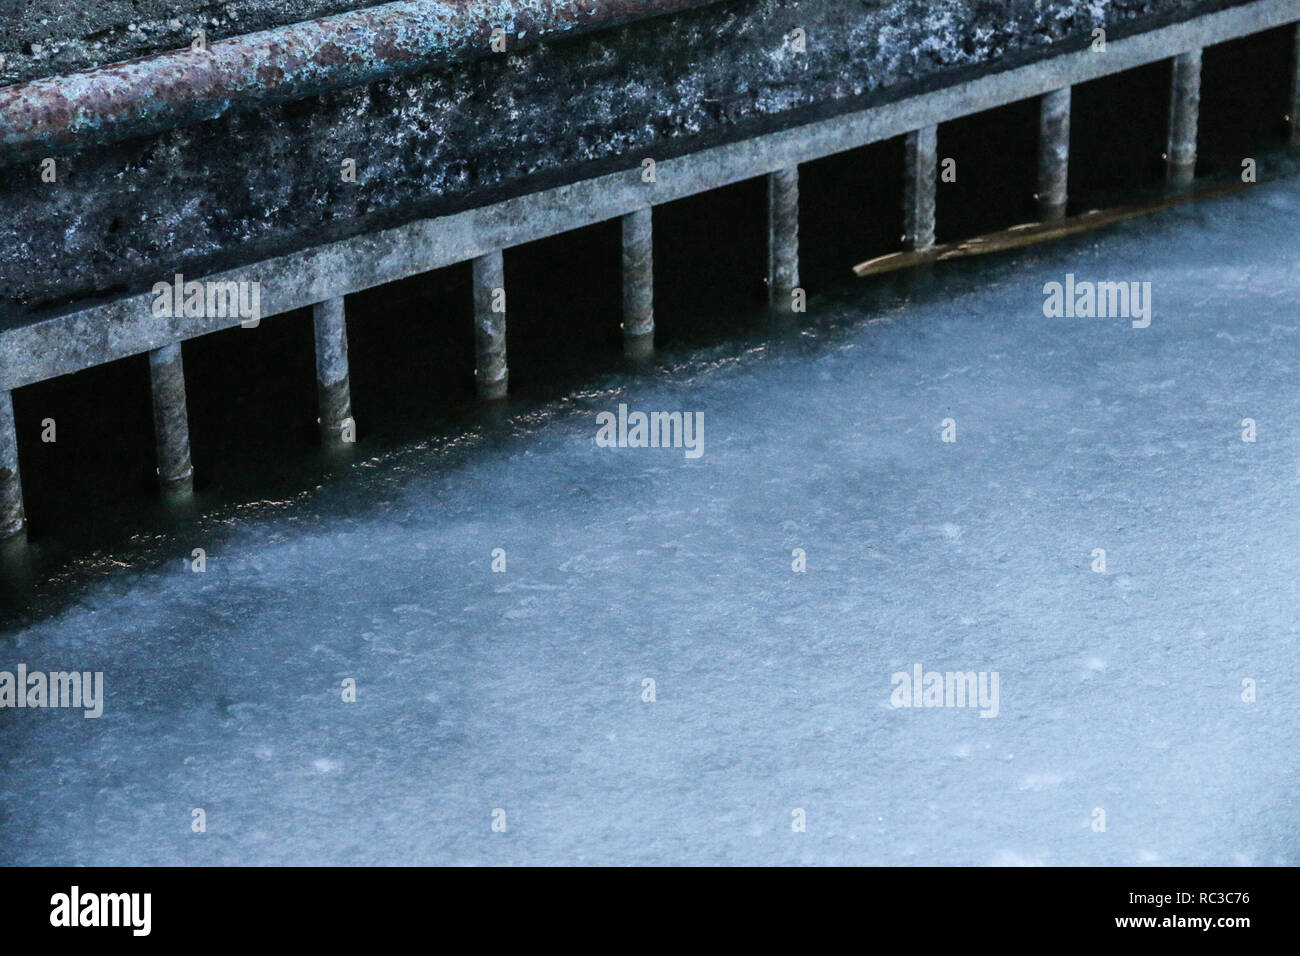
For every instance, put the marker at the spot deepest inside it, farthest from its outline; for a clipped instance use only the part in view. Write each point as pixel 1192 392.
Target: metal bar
pixel 170 420
pixel 91 334
pixel 290 62
pixel 1184 108
pixel 334 394
pixel 1053 154
pixel 490 370
pixel 782 235
pixel 12 517
pixel 638 283
pixel 920 162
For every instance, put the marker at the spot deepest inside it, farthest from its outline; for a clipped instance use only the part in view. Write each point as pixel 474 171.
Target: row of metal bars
pixel 175 472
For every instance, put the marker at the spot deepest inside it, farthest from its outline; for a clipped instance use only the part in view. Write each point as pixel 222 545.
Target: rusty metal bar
pixel 171 420
pixel 782 235
pixel 638 284
pixel 334 395
pixel 920 162
pixel 1184 110
pixel 291 62
pixel 12 518
pixel 1053 154
pixel 491 371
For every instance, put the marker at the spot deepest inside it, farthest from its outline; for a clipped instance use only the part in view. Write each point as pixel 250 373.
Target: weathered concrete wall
pixel 252 183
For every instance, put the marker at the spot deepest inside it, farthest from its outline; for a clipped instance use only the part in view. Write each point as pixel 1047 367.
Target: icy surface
pixel 522 690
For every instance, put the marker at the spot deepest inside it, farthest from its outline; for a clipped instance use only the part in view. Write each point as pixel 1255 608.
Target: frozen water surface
pixel 522 690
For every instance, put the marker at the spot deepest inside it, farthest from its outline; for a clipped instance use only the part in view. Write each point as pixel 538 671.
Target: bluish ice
pixel 1126 691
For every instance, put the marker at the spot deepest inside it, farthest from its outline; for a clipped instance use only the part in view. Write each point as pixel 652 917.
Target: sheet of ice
pixel 522 691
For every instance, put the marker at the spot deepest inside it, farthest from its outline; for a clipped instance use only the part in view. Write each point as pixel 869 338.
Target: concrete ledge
pixel 82 337
pixel 263 178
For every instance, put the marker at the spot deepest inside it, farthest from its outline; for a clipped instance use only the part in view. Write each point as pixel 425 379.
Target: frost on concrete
pixel 522 691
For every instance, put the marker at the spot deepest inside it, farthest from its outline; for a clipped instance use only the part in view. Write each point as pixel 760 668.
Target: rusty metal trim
pixel 304 59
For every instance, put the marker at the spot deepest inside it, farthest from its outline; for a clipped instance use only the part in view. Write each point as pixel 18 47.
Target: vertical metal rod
pixel 1053 154
pixel 170 420
pixel 638 284
pixel 1295 90
pixel 1184 107
pixel 920 162
pixel 782 235
pixel 12 518
pixel 334 394
pixel 490 326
